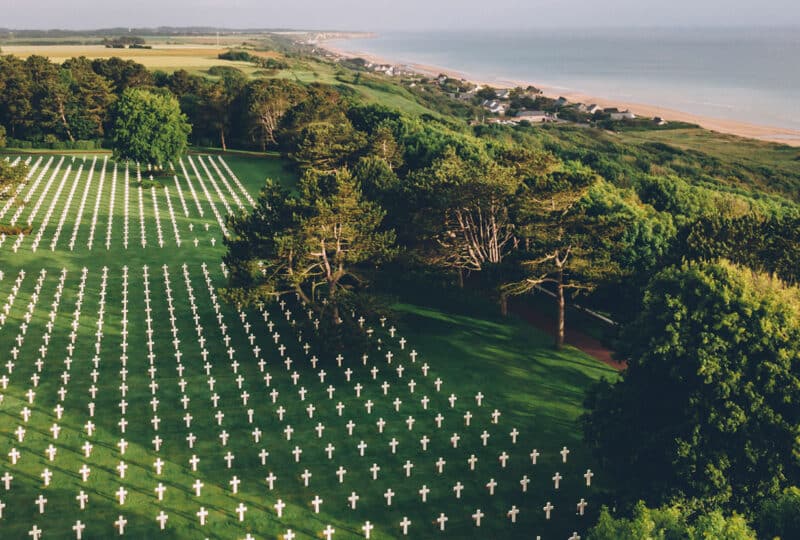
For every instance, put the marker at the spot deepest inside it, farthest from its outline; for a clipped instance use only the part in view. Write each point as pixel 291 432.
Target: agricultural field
pixel 162 57
pixel 134 402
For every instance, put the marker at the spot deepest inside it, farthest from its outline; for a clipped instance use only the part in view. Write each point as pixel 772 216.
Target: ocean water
pixel 745 74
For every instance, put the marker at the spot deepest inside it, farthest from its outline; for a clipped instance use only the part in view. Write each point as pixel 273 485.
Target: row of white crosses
pixel 54 176
pixel 159 233
pixel 25 198
pixel 454 440
pixel 126 198
pixel 226 184
pixel 341 471
pixel 217 308
pixel 49 213
pixel 30 395
pixel 142 230
pixel 82 205
pixel 191 188
pixel 101 183
pixel 65 210
pixel 12 296
pixel 210 178
pixel 23 327
pixel 180 196
pixel 207 194
pixel 171 211
pixel 279 505
pixel 12 198
pixel 112 197
pixel 43 194
pixel 25 412
pixel 236 181
pixel 32 188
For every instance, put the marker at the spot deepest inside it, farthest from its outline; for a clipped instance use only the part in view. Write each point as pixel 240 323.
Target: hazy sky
pixel 399 14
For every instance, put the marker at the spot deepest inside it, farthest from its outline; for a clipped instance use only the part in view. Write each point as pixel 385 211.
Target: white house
pixel 495 106
pixel 615 114
pixel 590 109
pixel 535 116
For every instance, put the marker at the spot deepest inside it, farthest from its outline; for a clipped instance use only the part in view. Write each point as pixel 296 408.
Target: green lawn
pixel 537 391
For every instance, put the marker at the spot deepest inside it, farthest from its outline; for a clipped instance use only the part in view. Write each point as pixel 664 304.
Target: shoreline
pixel 786 136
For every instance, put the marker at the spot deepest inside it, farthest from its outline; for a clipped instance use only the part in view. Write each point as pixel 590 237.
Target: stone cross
pixel 234 483
pixel 547 509
pixel 557 479
pixel 353 498
pixel 458 488
pixel 582 504
pixel 441 520
pixel 279 506
pixel 424 493
pixel 524 483
pixel 503 459
pixel 588 476
pixel 491 485
pixel 306 476
pixel 120 524
pixel 367 528
pixel 121 494
pixel 40 502
pixel 271 480
pixel 514 511
pixel 162 519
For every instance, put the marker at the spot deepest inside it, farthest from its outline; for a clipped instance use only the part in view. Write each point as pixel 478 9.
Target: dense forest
pixel 695 257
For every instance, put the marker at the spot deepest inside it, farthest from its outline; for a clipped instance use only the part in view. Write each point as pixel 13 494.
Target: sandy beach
pixel 786 136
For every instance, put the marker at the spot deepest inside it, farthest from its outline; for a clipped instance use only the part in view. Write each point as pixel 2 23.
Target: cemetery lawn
pixel 95 351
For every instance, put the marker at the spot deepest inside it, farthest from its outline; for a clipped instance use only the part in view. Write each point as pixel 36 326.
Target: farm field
pixel 134 402
pixel 161 57
pixel 197 58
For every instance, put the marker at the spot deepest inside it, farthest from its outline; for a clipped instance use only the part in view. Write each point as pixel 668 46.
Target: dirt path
pixel 576 338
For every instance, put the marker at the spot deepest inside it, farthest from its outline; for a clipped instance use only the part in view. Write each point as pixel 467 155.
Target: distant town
pixel 505 106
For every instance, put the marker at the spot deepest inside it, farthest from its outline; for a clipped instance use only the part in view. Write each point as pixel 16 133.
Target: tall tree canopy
pixel 670 523
pixel 565 248
pixel 314 245
pixel 149 127
pixel 709 407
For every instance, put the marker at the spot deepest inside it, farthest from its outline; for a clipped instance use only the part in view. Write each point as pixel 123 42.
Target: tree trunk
pixel 222 139
pixel 504 305
pixel 460 278
pixel 561 309
pixel 64 121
